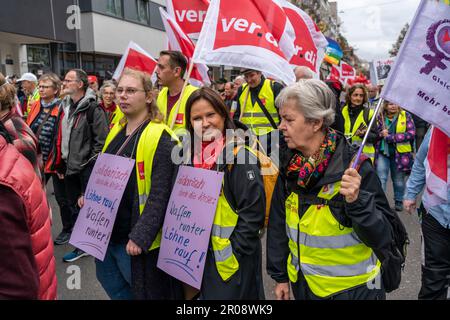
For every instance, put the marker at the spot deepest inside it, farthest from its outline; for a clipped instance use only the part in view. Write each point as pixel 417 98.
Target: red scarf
pixel 207 157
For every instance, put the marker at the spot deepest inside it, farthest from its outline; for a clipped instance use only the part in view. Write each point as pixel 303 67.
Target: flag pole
pixel 186 82
pixel 377 109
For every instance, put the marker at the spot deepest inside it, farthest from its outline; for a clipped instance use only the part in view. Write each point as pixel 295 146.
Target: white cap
pixel 28 77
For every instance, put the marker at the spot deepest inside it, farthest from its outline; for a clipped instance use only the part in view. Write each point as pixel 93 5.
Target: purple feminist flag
pixel 420 79
pixel 188 222
pixel 104 191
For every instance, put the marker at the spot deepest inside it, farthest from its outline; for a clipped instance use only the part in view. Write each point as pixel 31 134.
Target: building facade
pixel 57 35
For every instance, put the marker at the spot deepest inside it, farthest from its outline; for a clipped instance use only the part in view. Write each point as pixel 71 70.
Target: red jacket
pixel 17 173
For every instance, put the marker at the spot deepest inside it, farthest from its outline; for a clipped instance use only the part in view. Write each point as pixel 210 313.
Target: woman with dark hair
pixel 357 117
pixel 233 262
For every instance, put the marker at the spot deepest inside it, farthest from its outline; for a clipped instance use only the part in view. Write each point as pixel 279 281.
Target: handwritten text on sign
pixel 104 191
pixel 188 222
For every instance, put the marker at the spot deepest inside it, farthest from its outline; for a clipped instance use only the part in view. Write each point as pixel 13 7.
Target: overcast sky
pixel 372 26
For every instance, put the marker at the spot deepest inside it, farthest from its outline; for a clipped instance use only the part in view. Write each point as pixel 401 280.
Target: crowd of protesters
pixel 329 234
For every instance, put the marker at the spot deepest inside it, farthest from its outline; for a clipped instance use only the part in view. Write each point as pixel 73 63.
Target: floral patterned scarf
pixel 310 170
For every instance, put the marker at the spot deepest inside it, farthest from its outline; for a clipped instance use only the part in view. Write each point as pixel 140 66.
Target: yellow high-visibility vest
pixel 225 221
pixel 402 147
pixel 331 257
pixel 369 149
pixel 180 117
pixel 252 114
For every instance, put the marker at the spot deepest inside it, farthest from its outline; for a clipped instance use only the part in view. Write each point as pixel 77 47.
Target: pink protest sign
pixel 188 223
pixel 104 191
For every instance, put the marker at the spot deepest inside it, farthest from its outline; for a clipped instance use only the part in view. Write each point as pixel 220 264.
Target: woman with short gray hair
pixel 107 102
pixel 326 225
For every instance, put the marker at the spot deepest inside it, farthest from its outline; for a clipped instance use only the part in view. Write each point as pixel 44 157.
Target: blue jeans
pixel 114 273
pixel 384 165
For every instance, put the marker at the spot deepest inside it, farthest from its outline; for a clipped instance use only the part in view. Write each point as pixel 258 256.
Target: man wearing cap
pixel 93 83
pixel 29 86
pixel 256 107
pixel 170 72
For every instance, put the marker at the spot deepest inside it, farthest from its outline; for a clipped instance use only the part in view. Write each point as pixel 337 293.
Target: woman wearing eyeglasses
pixel 108 102
pixel 129 269
pixel 357 117
pixel 45 120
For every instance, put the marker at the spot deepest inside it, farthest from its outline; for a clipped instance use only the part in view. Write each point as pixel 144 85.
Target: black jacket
pixel 365 215
pixel 148 281
pixel 87 127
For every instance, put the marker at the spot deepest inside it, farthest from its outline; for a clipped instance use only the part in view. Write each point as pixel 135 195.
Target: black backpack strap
pixel 366 114
pixel 264 109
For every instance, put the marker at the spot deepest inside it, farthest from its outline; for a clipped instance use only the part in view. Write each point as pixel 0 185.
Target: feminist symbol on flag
pixel 438 40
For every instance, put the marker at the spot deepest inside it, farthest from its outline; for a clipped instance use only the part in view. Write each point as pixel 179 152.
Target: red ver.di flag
pixel 93 228
pixel 310 43
pixel 135 58
pixel 189 14
pixel 188 223
pixel 254 34
pixel 420 79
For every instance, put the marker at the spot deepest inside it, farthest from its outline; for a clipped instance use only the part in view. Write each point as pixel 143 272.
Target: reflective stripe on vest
pixel 225 221
pixel 180 121
pixel 146 149
pixel 369 149
pixel 402 147
pixel 332 257
pixel 253 116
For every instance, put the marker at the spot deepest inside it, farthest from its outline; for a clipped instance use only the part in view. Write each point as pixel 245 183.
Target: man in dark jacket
pixel 84 129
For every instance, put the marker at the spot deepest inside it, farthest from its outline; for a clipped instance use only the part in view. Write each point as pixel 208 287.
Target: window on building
pixel 114 7
pixel 155 16
pixel 67 54
pixel 38 57
pixel 88 63
pixel 142 11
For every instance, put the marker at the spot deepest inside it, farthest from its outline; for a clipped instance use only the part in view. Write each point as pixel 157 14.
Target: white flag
pixel 420 79
pixel 253 34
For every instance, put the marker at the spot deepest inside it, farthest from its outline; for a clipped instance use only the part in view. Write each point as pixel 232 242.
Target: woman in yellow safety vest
pixel 357 116
pixel 397 133
pixel 129 270
pixel 233 262
pixel 326 225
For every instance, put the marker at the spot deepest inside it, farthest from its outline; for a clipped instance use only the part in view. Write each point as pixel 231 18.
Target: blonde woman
pixel 129 270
